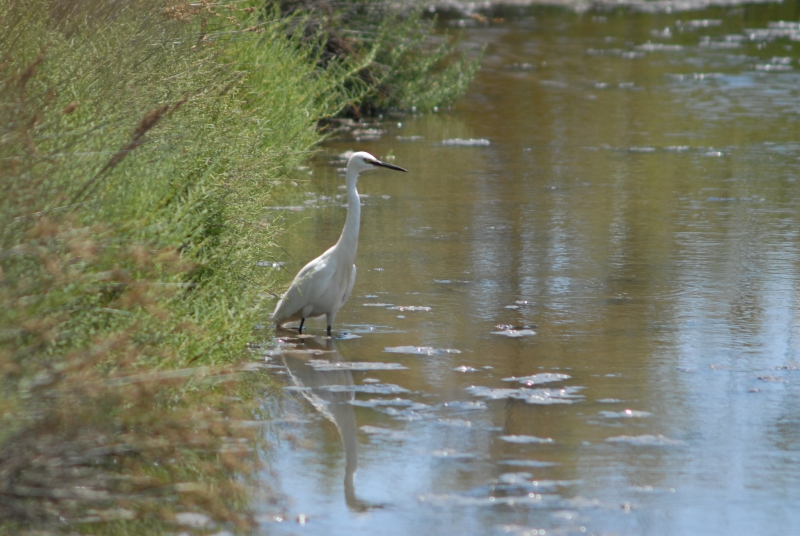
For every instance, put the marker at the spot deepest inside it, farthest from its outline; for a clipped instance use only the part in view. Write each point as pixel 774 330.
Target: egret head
pixel 363 161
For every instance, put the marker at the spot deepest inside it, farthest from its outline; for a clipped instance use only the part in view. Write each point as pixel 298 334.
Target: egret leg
pixel 329 331
pixel 300 329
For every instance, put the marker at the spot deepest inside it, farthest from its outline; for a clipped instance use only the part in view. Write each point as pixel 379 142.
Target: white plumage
pixel 325 284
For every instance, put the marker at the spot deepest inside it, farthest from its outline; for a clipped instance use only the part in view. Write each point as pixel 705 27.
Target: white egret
pixel 324 284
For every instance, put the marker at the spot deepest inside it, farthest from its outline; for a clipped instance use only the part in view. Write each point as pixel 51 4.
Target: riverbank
pixel 139 145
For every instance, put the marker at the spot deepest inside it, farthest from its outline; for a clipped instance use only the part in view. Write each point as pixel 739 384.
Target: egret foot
pixel 329 331
pixel 300 329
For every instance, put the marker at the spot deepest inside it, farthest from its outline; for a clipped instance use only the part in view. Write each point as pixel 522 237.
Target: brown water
pixel 634 215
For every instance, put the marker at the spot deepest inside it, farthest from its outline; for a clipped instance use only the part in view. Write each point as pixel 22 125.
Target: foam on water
pixel 420 350
pixel 410 308
pixel 525 439
pixel 542 377
pixel 514 333
pixel 528 463
pixel 625 414
pixel 323 365
pixel 377 389
pixel 467 143
pixel 646 440
pixel 565 395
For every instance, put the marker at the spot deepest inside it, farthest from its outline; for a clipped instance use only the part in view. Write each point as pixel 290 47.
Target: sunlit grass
pixel 137 153
pixel 139 143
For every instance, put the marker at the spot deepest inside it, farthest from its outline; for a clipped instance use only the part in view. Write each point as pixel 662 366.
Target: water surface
pixel 584 320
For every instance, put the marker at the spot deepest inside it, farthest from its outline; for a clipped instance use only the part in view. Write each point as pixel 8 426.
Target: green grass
pixel 139 143
pixel 400 62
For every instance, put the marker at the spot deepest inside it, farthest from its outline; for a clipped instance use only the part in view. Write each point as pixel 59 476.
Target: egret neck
pixel 348 241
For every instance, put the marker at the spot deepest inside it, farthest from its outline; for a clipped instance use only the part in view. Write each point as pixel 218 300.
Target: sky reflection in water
pixel 635 208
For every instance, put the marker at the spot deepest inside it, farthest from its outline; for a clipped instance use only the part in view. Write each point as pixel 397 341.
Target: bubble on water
pixel 513 331
pixel 323 365
pixel 771 378
pixel 376 402
pixel 465 368
pixel 528 463
pixel 521 530
pixel 699 23
pixel 492 394
pixel 466 405
pixel 482 497
pixel 625 414
pixel 409 308
pixel 773 67
pixel 458 142
pixel 520 66
pixel 369 328
pixel 452 454
pixel 384 433
pixel 347 336
pixel 376 389
pixel 514 478
pixel 647 440
pixel 370 380
pixel 420 350
pixel 525 483
pixel 659 47
pixel 457 423
pixel 367 134
pixel 526 439
pixel 543 377
pixel 414 412
pixel 666 33
pixel 543 396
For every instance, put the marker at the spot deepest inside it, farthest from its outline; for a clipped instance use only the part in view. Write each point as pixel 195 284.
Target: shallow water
pixel 585 320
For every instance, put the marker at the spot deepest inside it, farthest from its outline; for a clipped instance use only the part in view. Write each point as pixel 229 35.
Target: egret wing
pixel 350 284
pixel 309 284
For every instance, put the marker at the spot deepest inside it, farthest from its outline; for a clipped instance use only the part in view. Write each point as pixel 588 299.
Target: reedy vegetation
pixel 403 66
pixel 139 142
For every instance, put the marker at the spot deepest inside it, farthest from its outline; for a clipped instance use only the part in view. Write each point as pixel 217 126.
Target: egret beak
pixel 390 166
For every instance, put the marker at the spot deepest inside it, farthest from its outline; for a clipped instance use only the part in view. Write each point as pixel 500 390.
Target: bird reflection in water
pixel 333 405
